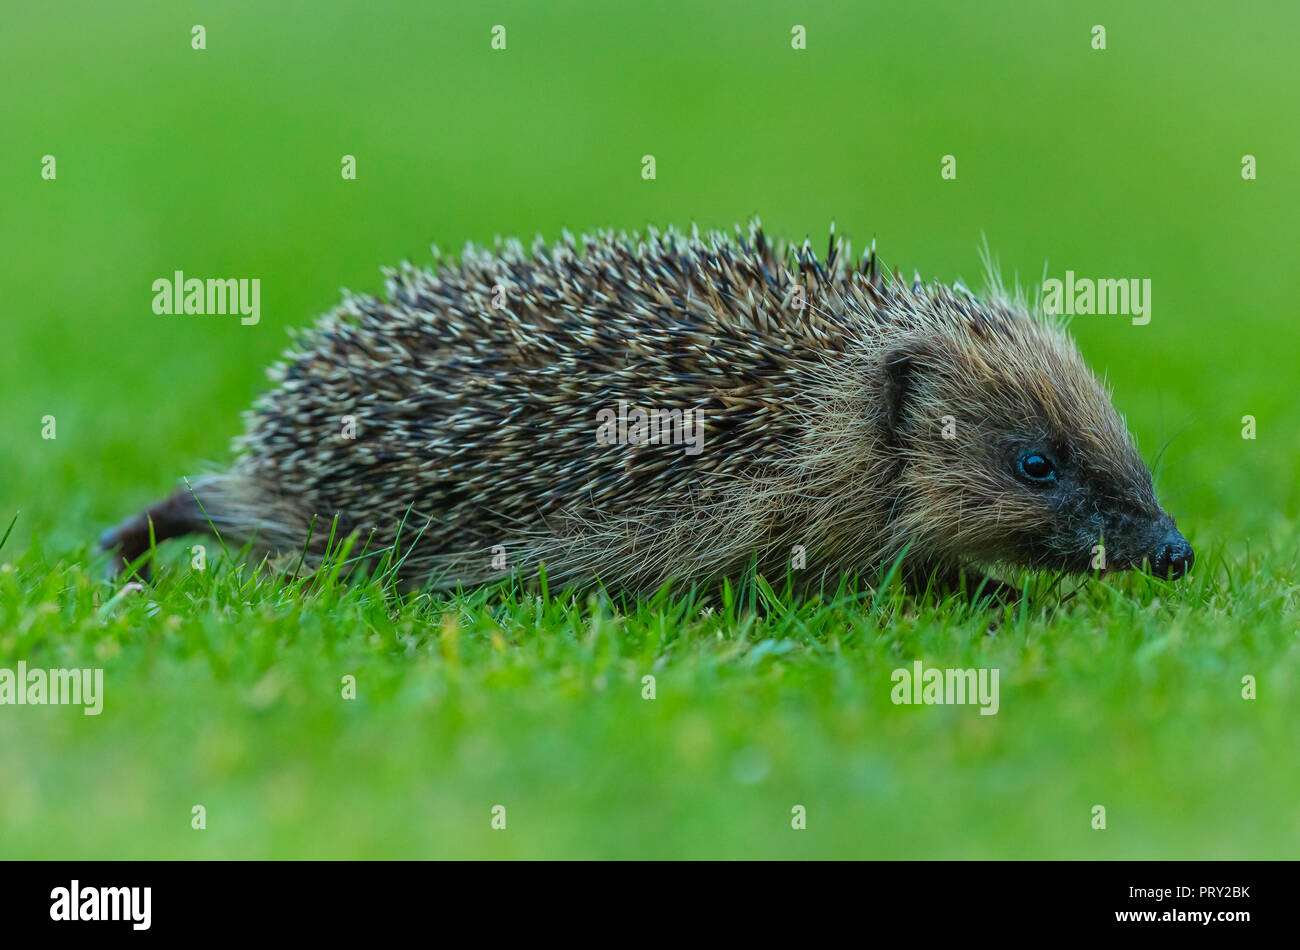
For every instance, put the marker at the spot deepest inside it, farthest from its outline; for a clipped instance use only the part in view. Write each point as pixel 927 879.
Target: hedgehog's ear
pixel 896 382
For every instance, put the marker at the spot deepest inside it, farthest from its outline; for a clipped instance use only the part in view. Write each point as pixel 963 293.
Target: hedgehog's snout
pixel 1145 542
pixel 1173 556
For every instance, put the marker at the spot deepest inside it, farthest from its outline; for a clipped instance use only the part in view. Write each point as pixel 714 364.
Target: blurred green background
pixel 1123 162
pixel 226 162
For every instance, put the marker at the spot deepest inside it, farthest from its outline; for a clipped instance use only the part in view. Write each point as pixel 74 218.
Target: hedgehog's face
pixel 1087 512
pixel 1013 453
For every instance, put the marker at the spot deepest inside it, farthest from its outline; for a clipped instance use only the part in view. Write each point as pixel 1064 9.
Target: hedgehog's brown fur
pixel 475 426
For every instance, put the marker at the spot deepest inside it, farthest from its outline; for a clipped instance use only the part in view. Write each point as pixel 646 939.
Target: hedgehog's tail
pixel 176 515
pixel 218 505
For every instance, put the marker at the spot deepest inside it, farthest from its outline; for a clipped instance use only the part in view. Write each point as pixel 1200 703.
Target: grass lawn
pixel 224 690
pixel 223 687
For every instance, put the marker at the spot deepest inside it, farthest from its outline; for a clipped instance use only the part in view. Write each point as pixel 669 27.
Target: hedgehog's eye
pixel 1037 467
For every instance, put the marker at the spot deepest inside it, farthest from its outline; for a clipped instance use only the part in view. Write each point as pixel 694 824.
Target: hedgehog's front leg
pixel 948 578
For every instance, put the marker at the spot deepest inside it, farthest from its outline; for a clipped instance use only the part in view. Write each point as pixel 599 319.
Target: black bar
pixel 331 900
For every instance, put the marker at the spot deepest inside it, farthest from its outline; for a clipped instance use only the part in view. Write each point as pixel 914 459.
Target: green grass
pixel 223 686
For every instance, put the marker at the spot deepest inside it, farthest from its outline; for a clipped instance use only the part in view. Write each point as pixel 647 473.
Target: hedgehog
pixel 629 411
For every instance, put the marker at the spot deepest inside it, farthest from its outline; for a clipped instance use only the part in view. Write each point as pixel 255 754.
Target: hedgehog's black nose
pixel 1174 556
